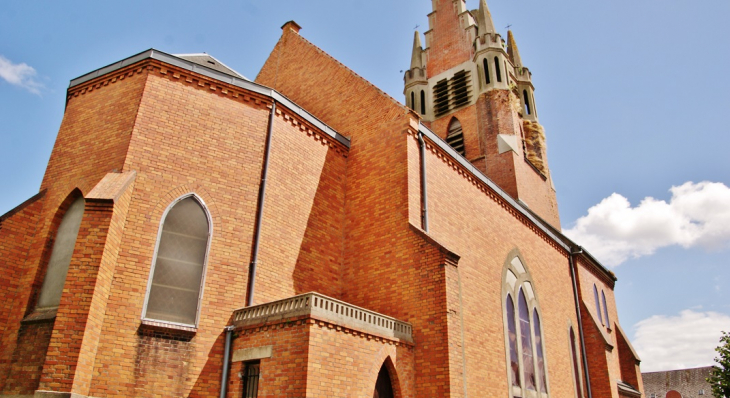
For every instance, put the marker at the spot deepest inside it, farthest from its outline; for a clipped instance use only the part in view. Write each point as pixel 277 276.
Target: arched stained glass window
pixel 524 344
pixel 177 275
pixel 528 370
pixel 512 337
pixel 63 249
pixel 598 304
pixel 605 309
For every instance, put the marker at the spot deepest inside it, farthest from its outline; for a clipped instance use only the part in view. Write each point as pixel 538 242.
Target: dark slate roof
pixel 211 62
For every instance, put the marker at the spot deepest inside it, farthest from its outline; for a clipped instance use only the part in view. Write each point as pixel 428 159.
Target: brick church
pixel 199 234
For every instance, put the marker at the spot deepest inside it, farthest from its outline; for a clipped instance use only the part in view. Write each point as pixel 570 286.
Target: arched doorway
pixel 383 387
pixel 674 394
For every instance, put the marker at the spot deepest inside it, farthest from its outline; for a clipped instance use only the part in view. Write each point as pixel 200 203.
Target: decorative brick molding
pixel 328 309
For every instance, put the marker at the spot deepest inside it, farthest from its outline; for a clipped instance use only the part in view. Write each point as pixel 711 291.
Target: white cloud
pixel 678 342
pixel 21 75
pixel 697 215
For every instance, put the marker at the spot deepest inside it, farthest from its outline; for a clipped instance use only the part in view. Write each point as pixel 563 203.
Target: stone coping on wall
pixel 328 309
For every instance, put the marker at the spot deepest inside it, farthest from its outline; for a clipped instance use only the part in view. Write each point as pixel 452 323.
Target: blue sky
pixel 632 94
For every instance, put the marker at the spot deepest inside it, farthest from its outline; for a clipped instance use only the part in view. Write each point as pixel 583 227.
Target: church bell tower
pixel 471 88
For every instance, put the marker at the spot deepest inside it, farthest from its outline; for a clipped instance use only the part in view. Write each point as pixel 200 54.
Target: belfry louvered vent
pixel 455 138
pixel 451 94
pixel 441 98
pixel 460 92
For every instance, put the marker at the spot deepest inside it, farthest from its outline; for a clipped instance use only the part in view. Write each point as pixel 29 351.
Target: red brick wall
pixel 466 218
pixel 387 267
pixel 17 228
pixel 449 45
pixel 73 346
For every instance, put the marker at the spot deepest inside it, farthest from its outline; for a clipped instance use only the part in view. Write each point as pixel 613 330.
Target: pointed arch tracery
pixel 524 337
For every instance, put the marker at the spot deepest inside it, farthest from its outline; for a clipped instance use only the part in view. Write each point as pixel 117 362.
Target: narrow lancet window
pixel 512 337
pixel 486 71
pixel 605 309
pixel 423 102
pixel 528 371
pixel 413 101
pixel 541 375
pixel 576 374
pixel 598 304
pixel 497 70
pixel 527 102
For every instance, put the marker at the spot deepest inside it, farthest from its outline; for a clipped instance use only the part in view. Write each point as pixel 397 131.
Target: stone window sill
pixel 168 330
pixel 41 316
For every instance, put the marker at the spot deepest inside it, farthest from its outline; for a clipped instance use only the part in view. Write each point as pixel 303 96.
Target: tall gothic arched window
pixel 63 249
pixel 524 338
pixel 176 279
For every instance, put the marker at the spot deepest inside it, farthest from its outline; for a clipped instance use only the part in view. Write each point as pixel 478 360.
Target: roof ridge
pixel 352 72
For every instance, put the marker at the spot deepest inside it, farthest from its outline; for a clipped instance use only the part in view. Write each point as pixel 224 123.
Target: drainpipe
pixel 424 191
pixel 580 320
pixel 226 362
pixel 260 212
pixel 254 251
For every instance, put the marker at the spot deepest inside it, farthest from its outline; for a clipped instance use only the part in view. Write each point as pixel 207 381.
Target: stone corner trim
pixel 328 309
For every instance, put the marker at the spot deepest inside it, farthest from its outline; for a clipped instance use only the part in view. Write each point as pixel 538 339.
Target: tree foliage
pixel 720 376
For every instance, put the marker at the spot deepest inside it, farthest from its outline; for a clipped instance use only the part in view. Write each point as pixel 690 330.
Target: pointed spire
pixel 416 61
pixel 485 19
pixel 512 51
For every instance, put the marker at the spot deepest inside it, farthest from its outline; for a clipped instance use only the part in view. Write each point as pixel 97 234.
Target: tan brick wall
pixel 196 135
pixel 314 358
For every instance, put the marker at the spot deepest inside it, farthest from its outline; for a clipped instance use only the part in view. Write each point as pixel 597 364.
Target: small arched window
pixel 413 101
pixel 63 249
pixel 576 369
pixel 527 368
pixel 423 102
pixel 598 304
pixel 605 309
pixel 527 102
pixel 176 278
pixel 497 69
pixel 486 70
pixel 455 137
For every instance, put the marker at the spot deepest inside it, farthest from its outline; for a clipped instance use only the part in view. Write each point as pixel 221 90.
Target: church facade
pixel 199 234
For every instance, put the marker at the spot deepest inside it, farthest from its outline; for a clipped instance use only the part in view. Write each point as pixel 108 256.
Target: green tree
pixel 720 376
